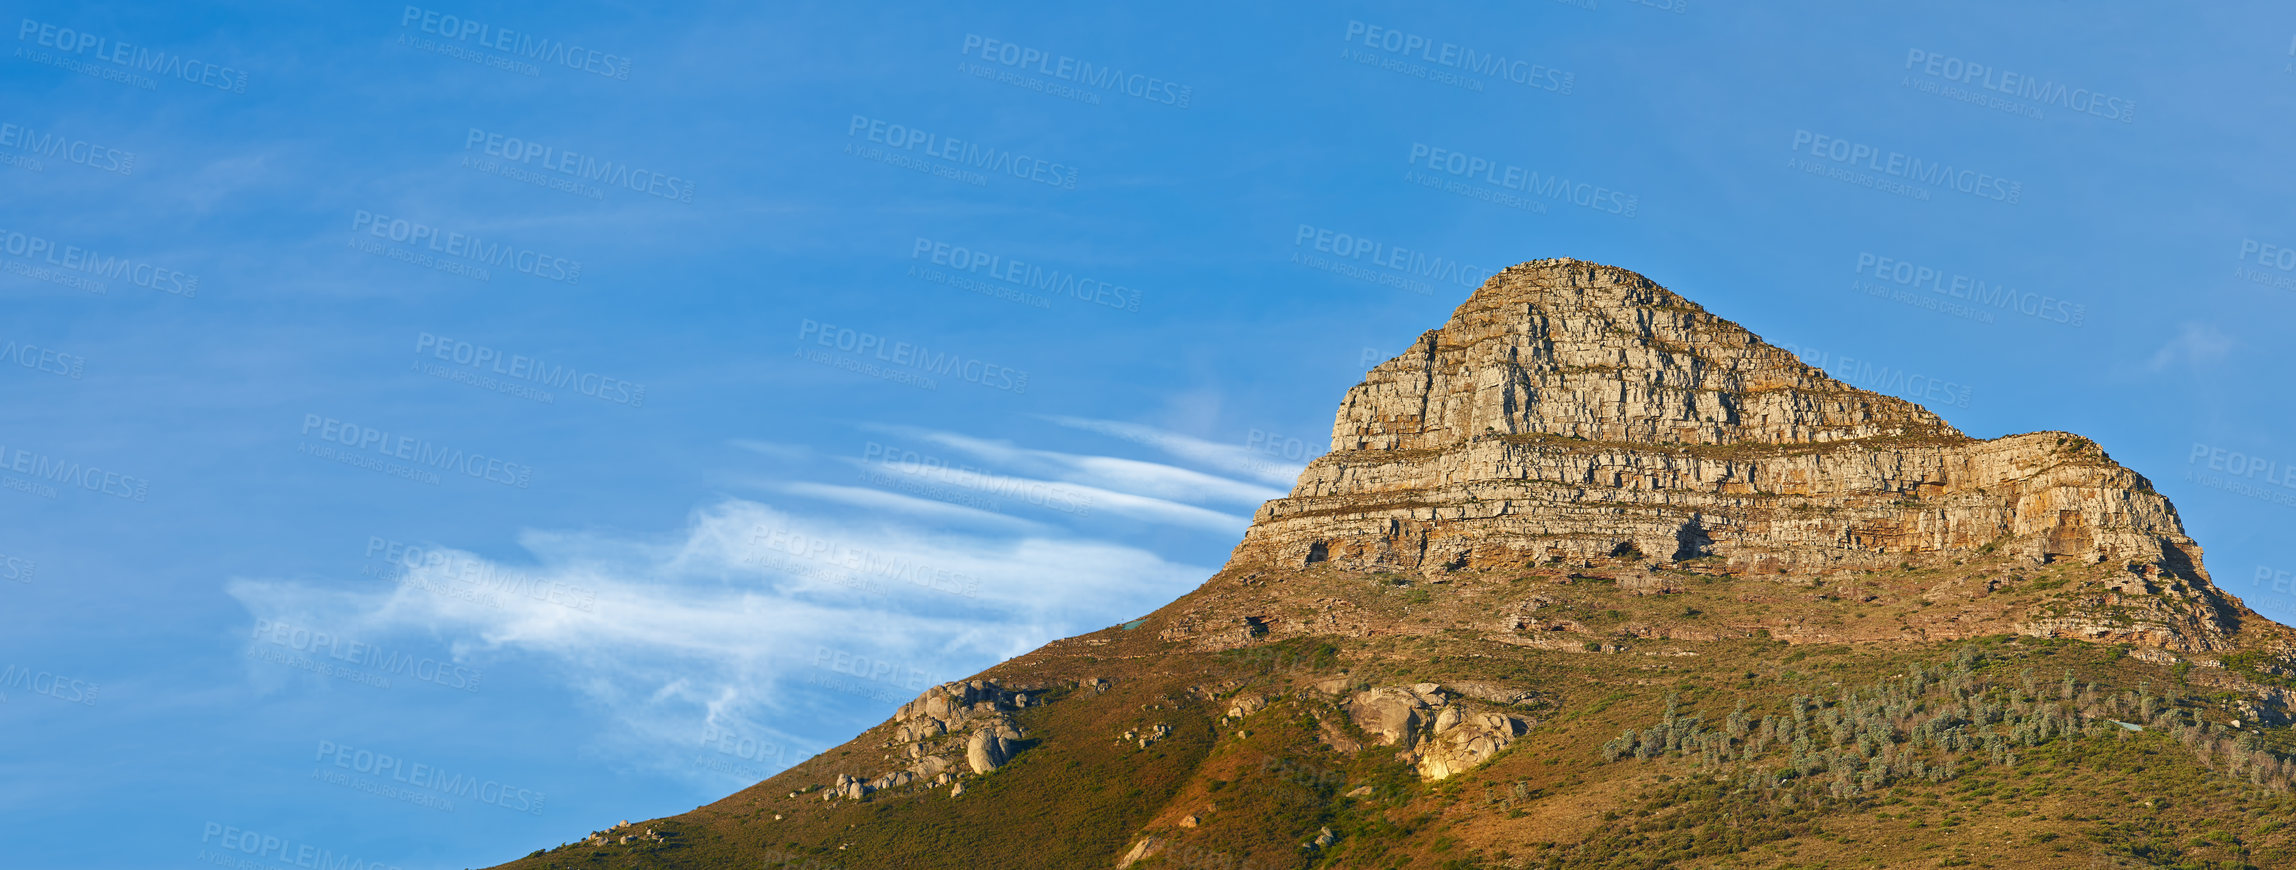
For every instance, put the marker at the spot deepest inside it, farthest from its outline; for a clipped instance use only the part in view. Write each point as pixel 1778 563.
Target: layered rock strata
pixel 1570 411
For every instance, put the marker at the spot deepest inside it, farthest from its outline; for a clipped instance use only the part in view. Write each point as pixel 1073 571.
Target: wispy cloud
pixel 2196 345
pixel 1229 458
pixel 1072 498
pixel 1110 472
pixel 877 499
pixel 724 628
pixel 748 619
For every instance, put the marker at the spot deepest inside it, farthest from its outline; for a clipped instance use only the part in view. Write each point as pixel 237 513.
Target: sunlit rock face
pixel 1571 411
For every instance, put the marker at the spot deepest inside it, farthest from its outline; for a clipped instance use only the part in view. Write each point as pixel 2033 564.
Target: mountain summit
pixel 1578 350
pixel 1571 411
pixel 1592 577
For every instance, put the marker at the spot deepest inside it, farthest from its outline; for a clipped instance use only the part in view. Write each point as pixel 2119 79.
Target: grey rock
pixel 1390 715
pixel 985 752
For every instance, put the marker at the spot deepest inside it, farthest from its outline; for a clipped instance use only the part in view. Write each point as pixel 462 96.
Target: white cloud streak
pixel 1229 458
pixel 722 627
pixel 787 626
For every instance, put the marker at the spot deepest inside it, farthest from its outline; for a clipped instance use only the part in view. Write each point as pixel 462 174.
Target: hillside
pixel 1592 577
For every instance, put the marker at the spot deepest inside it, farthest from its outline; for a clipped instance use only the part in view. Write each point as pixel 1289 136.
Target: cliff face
pixel 1571 412
pixel 1579 350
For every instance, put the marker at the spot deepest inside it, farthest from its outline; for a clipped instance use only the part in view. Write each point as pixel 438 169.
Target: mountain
pixel 1592 577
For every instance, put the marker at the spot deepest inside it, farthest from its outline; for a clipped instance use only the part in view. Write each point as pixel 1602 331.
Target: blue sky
pixel 439 432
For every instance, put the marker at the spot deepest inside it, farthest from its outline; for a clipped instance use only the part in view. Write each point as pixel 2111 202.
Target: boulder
pixel 1390 715
pixel 986 751
pixel 1464 740
pixel 1446 720
pixel 1246 705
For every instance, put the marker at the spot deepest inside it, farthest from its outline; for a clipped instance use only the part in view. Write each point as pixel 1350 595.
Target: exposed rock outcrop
pixel 951 730
pixel 1571 412
pixel 1439 735
pixel 1392 716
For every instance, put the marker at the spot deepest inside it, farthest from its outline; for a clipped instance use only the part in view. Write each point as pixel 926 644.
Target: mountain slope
pixel 1594 578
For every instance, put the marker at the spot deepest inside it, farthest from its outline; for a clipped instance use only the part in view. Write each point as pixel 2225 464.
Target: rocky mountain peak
pixel 1581 350
pixel 1572 415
